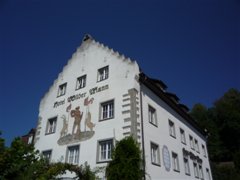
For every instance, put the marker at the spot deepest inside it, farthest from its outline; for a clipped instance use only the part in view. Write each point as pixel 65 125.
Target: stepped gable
pixel 86 41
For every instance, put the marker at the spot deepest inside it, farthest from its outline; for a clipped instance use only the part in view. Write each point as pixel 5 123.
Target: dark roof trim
pixel 174 96
pixel 184 107
pixel 144 79
pixel 160 83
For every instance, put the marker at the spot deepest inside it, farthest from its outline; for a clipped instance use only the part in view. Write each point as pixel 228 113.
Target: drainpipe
pixel 143 146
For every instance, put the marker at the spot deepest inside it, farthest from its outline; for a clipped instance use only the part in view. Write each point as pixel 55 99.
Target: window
pixel 201 176
pixel 81 82
pixel 47 155
pixel 155 154
pixel 107 110
pixel 62 89
pixel 51 125
pixel 208 174
pixel 73 154
pixel 30 139
pixel 196 145
pixel 191 142
pixel 152 115
pixel 196 171
pixel 175 162
pixel 186 164
pixel 183 138
pixel 171 129
pixel 105 150
pixel 103 73
pixel 204 150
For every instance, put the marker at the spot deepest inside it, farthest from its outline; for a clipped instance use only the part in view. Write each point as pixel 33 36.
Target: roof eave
pixel 144 79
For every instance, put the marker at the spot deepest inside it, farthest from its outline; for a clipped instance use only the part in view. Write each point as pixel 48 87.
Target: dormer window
pixel 62 89
pixel 103 73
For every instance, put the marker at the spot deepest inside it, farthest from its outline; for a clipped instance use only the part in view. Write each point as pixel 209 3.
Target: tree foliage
pixel 222 121
pixel 22 162
pixel 223 124
pixel 228 120
pixel 126 161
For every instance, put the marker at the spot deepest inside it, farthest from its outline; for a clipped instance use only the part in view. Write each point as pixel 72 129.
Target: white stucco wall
pixel 160 135
pixel 87 60
pixel 124 89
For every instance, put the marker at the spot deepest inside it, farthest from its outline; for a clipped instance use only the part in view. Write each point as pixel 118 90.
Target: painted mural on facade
pixel 81 120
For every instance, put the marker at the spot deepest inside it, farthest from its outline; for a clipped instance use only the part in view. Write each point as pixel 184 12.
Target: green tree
pixel 2 144
pixel 222 121
pixel 22 162
pixel 227 110
pixel 126 161
pixel 205 119
pixel 17 159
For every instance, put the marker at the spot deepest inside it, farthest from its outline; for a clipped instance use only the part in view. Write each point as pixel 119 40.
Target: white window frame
pixel 73 153
pixel 81 82
pixel 107 110
pixel 201 175
pixel 195 169
pixel 103 73
pixel 62 89
pixel 204 151
pixel 51 125
pixel 183 137
pixel 191 142
pixel 175 162
pixel 196 145
pixel 186 164
pixel 155 154
pixel 152 115
pixel 104 150
pixel 208 174
pixel 172 131
pixel 47 154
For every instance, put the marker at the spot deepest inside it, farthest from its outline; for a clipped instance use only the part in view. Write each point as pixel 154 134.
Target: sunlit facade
pixel 99 98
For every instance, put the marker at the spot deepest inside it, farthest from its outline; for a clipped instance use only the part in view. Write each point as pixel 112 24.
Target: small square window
pixel 62 89
pixel 103 74
pixel 196 145
pixel 105 148
pixel 107 110
pixel 183 138
pixel 171 129
pixel 186 164
pixel 47 155
pixel 152 115
pixel 81 82
pixel 191 142
pixel 73 154
pixel 51 125
pixel 175 162
pixel 155 154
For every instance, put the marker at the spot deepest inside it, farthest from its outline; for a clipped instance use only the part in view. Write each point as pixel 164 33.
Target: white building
pixel 100 97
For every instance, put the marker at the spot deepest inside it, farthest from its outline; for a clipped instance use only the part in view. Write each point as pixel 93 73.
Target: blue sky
pixel 192 46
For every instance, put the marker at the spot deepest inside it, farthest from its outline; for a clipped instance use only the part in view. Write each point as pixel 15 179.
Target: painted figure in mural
pixel 77 114
pixel 88 117
pixel 65 126
pixel 88 122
